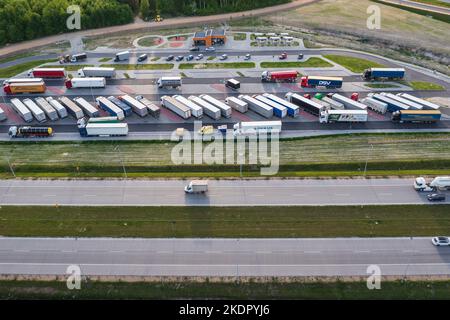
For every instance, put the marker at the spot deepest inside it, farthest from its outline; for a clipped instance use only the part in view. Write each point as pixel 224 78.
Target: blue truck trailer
pixel 392 105
pixel 292 109
pixel 110 107
pixel 279 110
pixel 126 108
pixel 384 73
pixel 421 116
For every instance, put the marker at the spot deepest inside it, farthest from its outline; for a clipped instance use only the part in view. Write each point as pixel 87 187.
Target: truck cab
pixel 12 132
pixel 196 186
pixel 420 184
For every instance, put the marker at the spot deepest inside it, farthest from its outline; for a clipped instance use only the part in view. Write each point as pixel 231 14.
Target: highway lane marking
pixel 311 251
pixel 21 250
pixel 361 251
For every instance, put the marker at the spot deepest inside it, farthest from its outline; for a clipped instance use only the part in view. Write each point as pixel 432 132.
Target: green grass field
pixel 106 59
pixel 217 65
pixel 381 85
pixel 421 85
pixel 356 65
pixel 22 67
pixel 154 66
pixel 226 222
pixel 235 290
pixel 341 155
pixel 310 63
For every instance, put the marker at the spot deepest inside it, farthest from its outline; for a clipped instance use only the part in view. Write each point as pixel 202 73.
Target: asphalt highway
pixel 223 257
pixel 221 192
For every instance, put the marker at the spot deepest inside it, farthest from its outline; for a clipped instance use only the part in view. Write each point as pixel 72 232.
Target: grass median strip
pixel 218 65
pixel 313 62
pixel 353 64
pixel 227 222
pixel 19 68
pixel 423 85
pixel 18 289
pixel 154 66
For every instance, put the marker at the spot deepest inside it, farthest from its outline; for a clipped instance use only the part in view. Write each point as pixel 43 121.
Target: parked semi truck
pixel 375 105
pixel 62 112
pixel 319 81
pixel 110 107
pixel 122 56
pixel 307 104
pixel 24 87
pixel 279 110
pixel 292 109
pixel 417 116
pixel 176 106
pixel 336 105
pixel 196 110
pixel 2 115
pixel 73 83
pixel 329 116
pixel 237 104
pixel 392 105
pixel 153 109
pixel 22 80
pixel 276 76
pixel 196 186
pixel 137 107
pixel 173 82
pixel 97 72
pixel 225 110
pixel 257 106
pixel 29 132
pixel 412 105
pixel 87 108
pixel 384 73
pixel 208 109
pixel 122 105
pixel 47 73
pixel 22 110
pixel 47 108
pixel 78 57
pixel 438 183
pixel 101 129
pixel 325 104
pixel 427 105
pixel 257 127
pixel 71 107
pixel 37 113
pixel 348 103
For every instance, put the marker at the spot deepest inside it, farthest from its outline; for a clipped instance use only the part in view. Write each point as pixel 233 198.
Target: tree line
pixel 29 19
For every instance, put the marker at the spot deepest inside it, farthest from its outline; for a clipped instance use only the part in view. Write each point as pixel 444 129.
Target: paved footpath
pixel 221 192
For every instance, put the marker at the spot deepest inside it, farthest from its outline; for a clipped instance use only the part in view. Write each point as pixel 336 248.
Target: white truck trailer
pixel 138 108
pixel 176 106
pixel 257 106
pixel 102 129
pixel 62 112
pixel 324 103
pixel 292 109
pixel 427 105
pixel 225 110
pixel 336 105
pixel 329 116
pixel 22 110
pixel 153 109
pixel 122 56
pixel 98 82
pixel 110 107
pixel 279 110
pixel 208 109
pixel 375 105
pixel 97 72
pixel 38 114
pixel 348 103
pixel 47 108
pixel 88 108
pixel 173 82
pixel 2 115
pixel 412 105
pixel 72 108
pixel 197 186
pixel 257 127
pixel 237 104
pixel 196 110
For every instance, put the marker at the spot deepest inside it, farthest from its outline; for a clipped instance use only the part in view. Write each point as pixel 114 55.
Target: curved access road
pixel 420 5
pixel 136 26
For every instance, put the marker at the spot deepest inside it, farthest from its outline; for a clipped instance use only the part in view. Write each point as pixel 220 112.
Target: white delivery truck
pixel 257 127
pixel 138 108
pixel 22 110
pixel 173 82
pixel 62 112
pixel 122 56
pixel 97 72
pixel 375 105
pixel 38 114
pixel 176 106
pixel 438 183
pixel 237 104
pixel 196 110
pixel 208 109
pixel 329 116
pixel 88 108
pixel 47 108
pixel 224 109
pixel 197 186
pixel 99 82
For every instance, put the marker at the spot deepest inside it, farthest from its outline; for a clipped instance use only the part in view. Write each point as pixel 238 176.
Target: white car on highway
pixel 441 241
